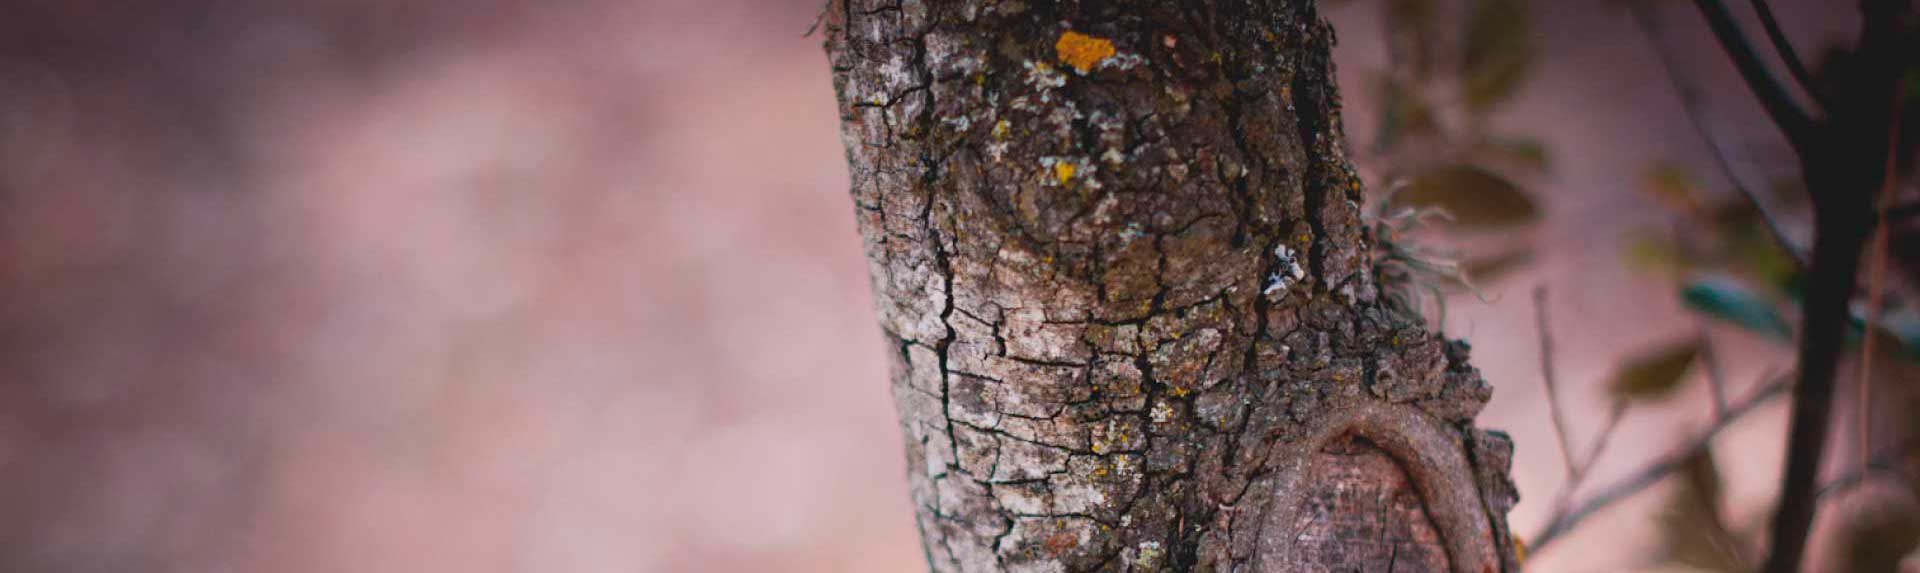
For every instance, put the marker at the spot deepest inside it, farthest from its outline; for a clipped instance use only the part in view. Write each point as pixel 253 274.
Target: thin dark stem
pixel 1553 387
pixel 1795 67
pixel 1691 102
pixel 1793 121
pixel 1564 522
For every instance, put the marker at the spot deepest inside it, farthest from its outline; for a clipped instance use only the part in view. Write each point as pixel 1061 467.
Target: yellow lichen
pixel 1082 51
pixel 1179 392
pixel 1063 171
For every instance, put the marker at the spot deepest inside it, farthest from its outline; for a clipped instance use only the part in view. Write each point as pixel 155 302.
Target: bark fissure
pixel 1118 248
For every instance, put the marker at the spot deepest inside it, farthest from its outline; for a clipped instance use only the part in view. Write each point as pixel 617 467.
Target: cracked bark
pixel 1131 299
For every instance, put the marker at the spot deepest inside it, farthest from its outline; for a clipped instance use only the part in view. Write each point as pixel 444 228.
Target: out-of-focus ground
pixel 506 285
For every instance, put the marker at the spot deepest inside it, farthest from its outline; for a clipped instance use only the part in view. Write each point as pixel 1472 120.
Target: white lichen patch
pixel 1043 78
pixel 1122 61
pixel 1146 556
pixel 958 123
pixel 1290 273
pixel 1162 412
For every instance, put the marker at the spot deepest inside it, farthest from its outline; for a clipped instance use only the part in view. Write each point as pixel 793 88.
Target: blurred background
pixel 574 285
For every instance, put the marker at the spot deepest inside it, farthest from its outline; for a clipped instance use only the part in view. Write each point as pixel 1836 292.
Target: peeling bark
pixel 1118 251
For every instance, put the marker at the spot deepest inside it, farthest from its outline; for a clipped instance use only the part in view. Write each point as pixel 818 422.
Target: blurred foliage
pixel 1692 532
pixel 1655 374
pixel 1452 63
pixel 1726 258
pixel 1732 302
pixel 1498 54
pixel 1455 63
pixel 1472 197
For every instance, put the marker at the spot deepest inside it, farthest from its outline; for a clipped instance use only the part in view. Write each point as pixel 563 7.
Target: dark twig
pixel 1564 521
pixel 1553 386
pixel 1795 67
pixel 1691 101
pixel 1793 121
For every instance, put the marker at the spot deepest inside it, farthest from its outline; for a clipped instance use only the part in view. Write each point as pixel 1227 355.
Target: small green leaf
pixel 1655 374
pixel 1733 302
pixel 1673 185
pixel 1499 52
pixel 1474 197
pixel 1650 252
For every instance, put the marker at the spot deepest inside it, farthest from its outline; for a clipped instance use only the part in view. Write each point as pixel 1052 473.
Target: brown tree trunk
pixel 1118 251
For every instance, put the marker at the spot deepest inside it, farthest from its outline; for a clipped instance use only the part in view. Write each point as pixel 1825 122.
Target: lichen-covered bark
pixel 1118 251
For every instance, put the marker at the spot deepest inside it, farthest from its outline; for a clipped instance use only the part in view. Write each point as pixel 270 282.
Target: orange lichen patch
pixel 1062 542
pixel 1063 171
pixel 1082 51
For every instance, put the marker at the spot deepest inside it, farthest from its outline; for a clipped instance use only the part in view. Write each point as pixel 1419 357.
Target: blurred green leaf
pixel 1499 52
pixel 1655 374
pixel 1523 153
pixel 1674 186
pixel 1692 532
pixel 1650 252
pixel 1750 249
pixel 1733 302
pixel 1474 197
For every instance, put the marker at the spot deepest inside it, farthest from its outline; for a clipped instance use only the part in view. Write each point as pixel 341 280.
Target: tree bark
pixel 1118 252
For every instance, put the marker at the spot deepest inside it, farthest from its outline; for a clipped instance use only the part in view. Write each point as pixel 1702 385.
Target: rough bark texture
pixel 1119 253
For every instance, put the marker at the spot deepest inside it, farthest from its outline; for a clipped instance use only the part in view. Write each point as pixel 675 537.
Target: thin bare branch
pixel 1564 521
pixel 1884 462
pixel 1793 121
pixel 1795 66
pixel 1553 386
pixel 1563 499
pixel 1692 102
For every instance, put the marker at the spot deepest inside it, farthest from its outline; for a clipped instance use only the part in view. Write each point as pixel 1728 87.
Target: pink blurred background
pixel 505 285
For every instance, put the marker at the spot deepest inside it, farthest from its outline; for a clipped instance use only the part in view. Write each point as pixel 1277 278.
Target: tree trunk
pixel 1119 255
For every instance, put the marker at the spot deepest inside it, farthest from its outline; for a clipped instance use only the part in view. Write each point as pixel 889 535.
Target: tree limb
pixel 1565 519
